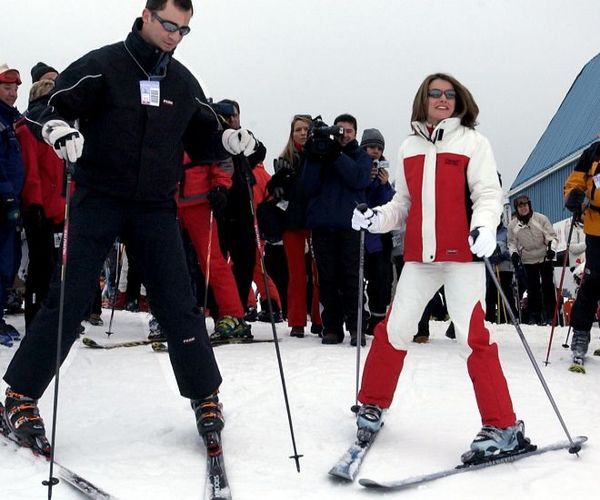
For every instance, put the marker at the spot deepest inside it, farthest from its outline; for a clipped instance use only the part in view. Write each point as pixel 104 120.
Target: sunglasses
pixel 437 93
pixel 170 26
pixel 522 204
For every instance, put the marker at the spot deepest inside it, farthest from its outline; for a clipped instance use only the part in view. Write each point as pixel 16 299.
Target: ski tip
pixel 369 483
pixel 576 368
pixel 87 341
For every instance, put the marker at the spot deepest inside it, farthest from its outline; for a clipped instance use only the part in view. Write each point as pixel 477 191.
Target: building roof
pixel 574 126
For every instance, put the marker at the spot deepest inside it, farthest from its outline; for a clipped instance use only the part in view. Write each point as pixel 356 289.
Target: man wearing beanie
pixel 41 71
pixel 372 137
pixel 378 247
pixel 11 183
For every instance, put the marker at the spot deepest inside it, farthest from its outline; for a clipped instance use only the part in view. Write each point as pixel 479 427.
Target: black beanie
pixel 39 70
pixel 372 137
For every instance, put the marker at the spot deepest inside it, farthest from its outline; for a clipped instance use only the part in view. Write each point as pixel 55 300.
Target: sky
pixel 327 57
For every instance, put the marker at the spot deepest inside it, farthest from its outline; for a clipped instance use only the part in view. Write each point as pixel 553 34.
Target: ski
pixel 88 342
pixel 162 346
pixel 347 467
pixel 217 484
pixel 577 365
pixel 78 482
pixel 505 458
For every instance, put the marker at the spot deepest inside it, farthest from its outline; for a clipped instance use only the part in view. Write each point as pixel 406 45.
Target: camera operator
pixel 336 173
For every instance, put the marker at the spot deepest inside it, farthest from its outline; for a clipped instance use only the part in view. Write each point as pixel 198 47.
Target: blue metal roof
pixel 574 126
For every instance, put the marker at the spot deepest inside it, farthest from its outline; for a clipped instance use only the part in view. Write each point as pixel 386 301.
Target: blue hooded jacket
pixel 335 188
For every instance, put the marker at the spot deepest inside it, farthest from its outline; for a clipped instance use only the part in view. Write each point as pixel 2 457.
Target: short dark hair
pixel 345 117
pixel 231 102
pixel 160 4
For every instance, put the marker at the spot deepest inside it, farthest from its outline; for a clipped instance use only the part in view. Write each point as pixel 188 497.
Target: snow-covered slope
pixel 122 424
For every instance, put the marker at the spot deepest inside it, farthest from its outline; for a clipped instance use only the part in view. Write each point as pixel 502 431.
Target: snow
pixel 123 425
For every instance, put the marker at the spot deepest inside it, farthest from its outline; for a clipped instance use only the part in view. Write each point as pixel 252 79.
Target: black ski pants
pixel 586 304
pixel 153 239
pixel 337 252
pixel 540 290
pixel 43 256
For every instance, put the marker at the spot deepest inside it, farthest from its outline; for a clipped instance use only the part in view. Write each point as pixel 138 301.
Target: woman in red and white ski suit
pixel 446 186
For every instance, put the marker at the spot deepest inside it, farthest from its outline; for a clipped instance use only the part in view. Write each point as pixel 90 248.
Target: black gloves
pixel 516 260
pixel 281 163
pixel 574 201
pixel 217 197
pixel 550 254
pixel 11 208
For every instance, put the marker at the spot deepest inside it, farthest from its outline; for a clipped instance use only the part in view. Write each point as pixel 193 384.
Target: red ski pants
pixel 196 221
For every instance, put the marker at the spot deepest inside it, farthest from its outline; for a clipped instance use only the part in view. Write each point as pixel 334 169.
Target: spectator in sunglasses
pixel 449 197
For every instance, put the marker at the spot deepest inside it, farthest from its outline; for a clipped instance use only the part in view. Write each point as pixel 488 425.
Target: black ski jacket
pixel 132 150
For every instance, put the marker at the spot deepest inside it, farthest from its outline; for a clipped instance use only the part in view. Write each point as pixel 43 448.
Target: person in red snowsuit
pixel 202 195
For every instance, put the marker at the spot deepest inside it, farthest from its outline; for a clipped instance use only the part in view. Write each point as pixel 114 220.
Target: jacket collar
pixel 153 60
pixel 9 114
pixel 443 128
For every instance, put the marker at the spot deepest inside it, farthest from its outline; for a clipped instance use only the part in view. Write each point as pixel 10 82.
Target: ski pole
pixel 574 447
pixel 69 168
pixel 209 251
pixel 118 276
pixel 246 173
pixel 361 207
pixel 559 291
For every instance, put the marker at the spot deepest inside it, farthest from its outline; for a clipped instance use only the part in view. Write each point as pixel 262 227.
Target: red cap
pixel 9 75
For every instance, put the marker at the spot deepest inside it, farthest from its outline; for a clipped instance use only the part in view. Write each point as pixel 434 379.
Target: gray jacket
pixel 530 240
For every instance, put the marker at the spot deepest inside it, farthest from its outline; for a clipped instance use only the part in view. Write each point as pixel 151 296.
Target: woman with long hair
pixel 284 186
pixel 447 187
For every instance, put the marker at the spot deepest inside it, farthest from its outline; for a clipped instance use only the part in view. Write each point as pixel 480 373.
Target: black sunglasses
pixel 170 26
pixel 437 93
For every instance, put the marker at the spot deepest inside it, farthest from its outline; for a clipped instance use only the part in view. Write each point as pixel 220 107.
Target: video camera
pixel 381 164
pixel 321 138
pixel 318 128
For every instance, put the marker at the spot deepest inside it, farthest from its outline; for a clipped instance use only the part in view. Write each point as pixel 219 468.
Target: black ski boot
pixel 209 414
pixel 22 423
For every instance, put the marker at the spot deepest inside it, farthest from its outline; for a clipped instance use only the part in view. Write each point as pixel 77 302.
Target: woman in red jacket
pixel 43 204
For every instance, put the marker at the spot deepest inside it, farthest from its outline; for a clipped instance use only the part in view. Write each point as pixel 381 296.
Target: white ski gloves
pixel 66 140
pixel 368 220
pixel 484 243
pixel 239 141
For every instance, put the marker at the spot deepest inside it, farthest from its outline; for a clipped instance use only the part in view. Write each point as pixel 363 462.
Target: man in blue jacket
pixel 11 184
pixel 335 176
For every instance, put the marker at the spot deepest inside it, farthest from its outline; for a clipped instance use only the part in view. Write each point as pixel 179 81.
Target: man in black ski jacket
pixel 137 108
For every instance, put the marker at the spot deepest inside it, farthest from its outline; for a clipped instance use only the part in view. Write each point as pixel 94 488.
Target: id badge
pixel 150 93
pixel 597 181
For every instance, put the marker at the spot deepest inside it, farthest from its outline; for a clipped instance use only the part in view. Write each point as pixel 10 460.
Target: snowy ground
pixel 123 425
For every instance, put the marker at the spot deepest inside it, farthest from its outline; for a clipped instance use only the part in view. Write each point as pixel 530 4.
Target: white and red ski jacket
pixel 446 186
